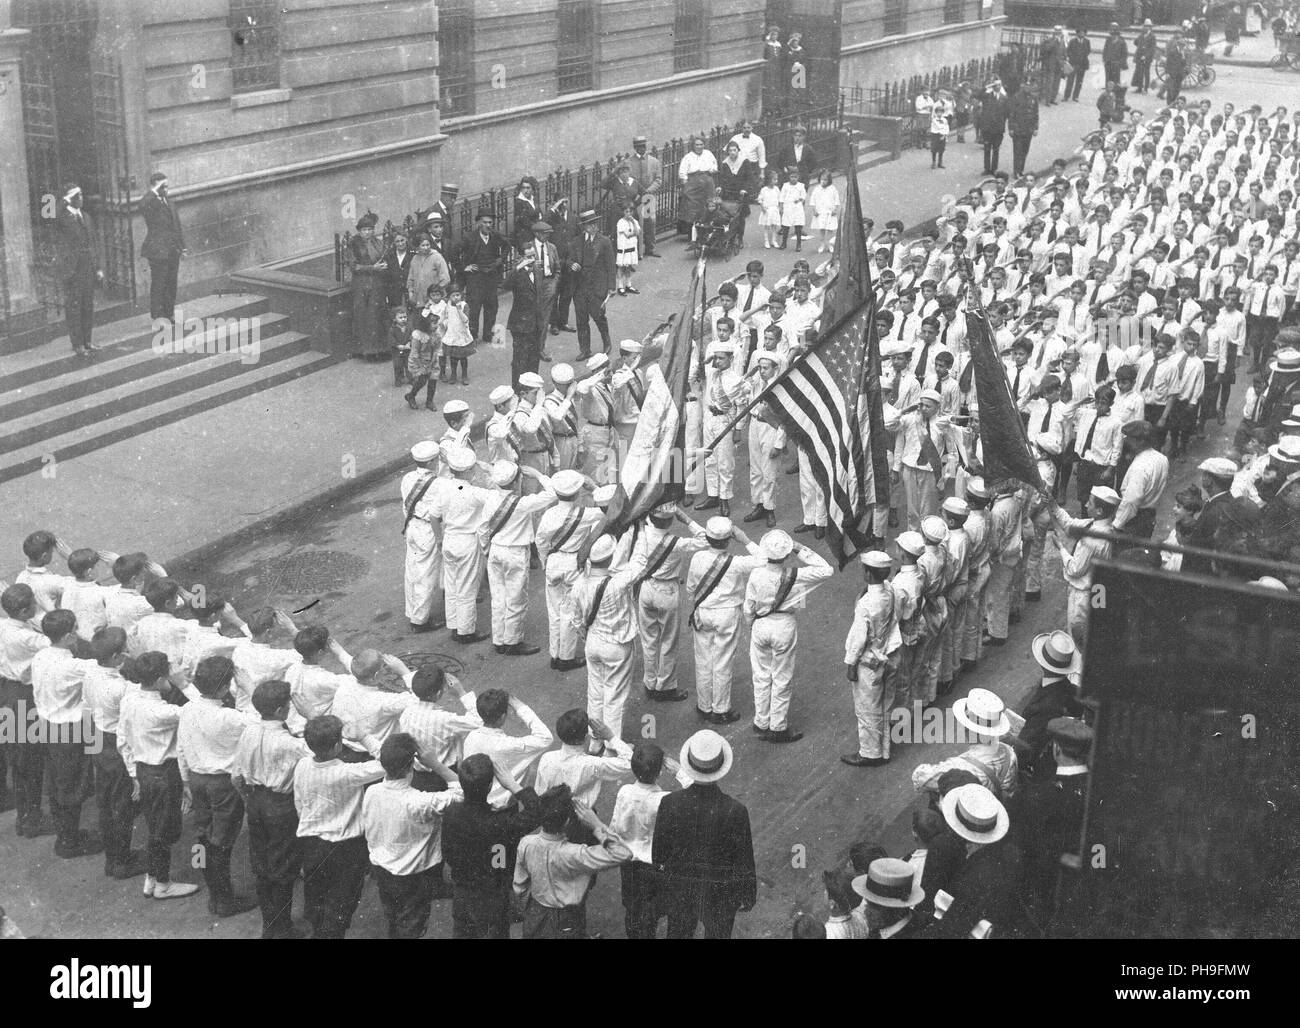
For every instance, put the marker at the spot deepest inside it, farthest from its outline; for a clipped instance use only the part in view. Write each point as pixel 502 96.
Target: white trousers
pixel 762 465
pixel 657 614
pixel 771 658
pixel 716 634
pixel 1077 605
pixel 566 451
pixel 507 570
pixel 720 465
pixel 462 567
pixel 925 686
pixel 997 598
pixel 908 663
pixel 694 441
pixel 1034 567
pixel 609 675
pixel 921 493
pixel 423 570
pixel 873 699
pixel 953 629
pixel 561 574
pixel 598 454
pixel 972 636
pixel 810 494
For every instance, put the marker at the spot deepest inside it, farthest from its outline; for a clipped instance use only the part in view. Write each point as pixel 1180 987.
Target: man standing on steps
pixel 1022 123
pixel 163 246
pixel 77 268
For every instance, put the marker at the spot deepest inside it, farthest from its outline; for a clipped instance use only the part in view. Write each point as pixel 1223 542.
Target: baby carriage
pixel 721 230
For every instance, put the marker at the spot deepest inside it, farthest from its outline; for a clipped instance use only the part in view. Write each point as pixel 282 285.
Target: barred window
pixel 577 44
pixel 254 45
pixel 895 17
pixel 455 57
pixel 953 12
pixel 688 35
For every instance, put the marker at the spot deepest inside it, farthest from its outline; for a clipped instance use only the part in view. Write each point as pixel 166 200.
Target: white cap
pixel 500 395
pixel 1106 494
pixel 911 542
pixel 603 495
pixel 504 472
pixel 718 348
pixel 1220 467
pixel 425 450
pixel 664 510
pixel 531 380
pixel 597 361
pixel 890 416
pixel 562 374
pixel 602 550
pixel 767 355
pixel 977 488
pixel 630 346
pixel 893 349
pixel 567 483
pixel 878 559
pixel 931 394
pixel 461 458
pixel 1269 582
pixel 956 506
pixel 453 407
pixel 933 529
pixel 718 528
pixel 776 545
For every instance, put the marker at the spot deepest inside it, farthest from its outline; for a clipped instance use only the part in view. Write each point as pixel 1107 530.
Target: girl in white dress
pixel 628 233
pixel 825 203
pixel 458 340
pixel 793 195
pixel 769 209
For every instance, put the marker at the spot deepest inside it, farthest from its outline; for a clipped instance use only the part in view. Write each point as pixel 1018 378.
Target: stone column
pixel 14 203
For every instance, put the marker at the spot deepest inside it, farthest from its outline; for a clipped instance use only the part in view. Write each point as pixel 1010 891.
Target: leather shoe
pixel 518 649
pixel 83 844
pixel 784 735
pixel 725 717
pixel 710 502
pixel 570 665
pixel 423 626
pixel 857 760
pixel 567 328
pixel 665 695
pixel 993 640
pixel 757 731
pixel 35 827
pixel 724 508
pixel 757 514
pixel 967 665
pixel 465 640
pixel 801 529
pixel 1033 597
pixel 703 715
pixel 134 865
pixel 771 519
pixel 554 330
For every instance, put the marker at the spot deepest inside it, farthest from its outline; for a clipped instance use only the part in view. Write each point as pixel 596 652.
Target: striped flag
pixel 817 402
pixel 654 470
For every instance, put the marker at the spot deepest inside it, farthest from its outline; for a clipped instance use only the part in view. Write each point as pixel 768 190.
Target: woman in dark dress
pixel 738 184
pixel 526 211
pixel 369 291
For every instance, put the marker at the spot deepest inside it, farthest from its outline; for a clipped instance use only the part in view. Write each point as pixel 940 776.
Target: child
pixel 825 203
pixel 1187 508
pixel 147 729
pixel 426 342
pixel 635 811
pixel 628 233
pixel 457 340
pixel 399 338
pixel 793 196
pixel 1106 107
pixel 39 549
pixel 940 113
pixel 84 596
pixel 769 209
pixel 847 920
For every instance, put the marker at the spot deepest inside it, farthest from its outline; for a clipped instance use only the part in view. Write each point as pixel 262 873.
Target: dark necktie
pixel 921 361
pixel 1087 439
pixel 1067 390
pixel 1150 376
pixel 1015 388
pixel 748 299
pixel 1051 235
pixel 1047 419
pixel 902 323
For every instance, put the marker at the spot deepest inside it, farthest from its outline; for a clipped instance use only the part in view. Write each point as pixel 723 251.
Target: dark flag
pixel 1002 433
pixel 816 401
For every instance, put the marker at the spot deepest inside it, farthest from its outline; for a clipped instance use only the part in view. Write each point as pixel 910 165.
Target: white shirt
pixel 1107 441
pixel 256 663
pixel 751 148
pixel 124 607
pixel 328 795
pixel 165 633
pixel 403 826
pixel 45 585
pixel 520 527
pixel 760 591
pixel 102 693
pixel 369 714
pixel 1144 484
pixel 86 601
pixel 583 773
pixel 312 689
pixel 635 811
pixel 57 679
pixel 268 755
pixel 556 873
pixel 208 735
pixel 146 729
pixel 692 162
pixel 440 730
pixel 19 643
pixel 517 752
pixel 201 643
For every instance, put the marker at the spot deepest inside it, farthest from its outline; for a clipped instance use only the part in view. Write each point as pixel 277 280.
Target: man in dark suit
pixel 483 257
pixel 1114 55
pixel 1077 51
pixel 992 123
pixel 1057 696
pixel 532 286
pixel 799 154
pixel 591 259
pixel 565 227
pixel 987 888
pixel 1022 123
pixel 164 242
pixel 702 846
pixel 1223 517
pixel 398 261
pixel 1053 808
pixel 943 854
pixel 76 265
pixel 443 208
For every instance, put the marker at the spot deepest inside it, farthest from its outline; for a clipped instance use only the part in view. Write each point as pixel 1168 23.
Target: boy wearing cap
pixel 1005 547
pixel 716 581
pixel 871 654
pixel 423 568
pixel 629 384
pixel 503 440
pixel 766 443
pixel 596 410
pixel 723 396
pixel 530 425
pixel 979 565
pixel 458 517
pixel 506 535
pixel 456 437
pixel 1079 554
pixel 666 556
pixel 935 572
pixel 919 461
pixel 601 604
pixel 772 595
pixel 562 533
pixel 956 546
pixel 562 415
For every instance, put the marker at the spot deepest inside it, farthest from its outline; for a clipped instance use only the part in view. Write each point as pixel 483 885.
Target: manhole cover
pixel 311 571
pixel 449 664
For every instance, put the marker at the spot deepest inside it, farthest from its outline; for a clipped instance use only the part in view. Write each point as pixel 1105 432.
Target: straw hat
pixel 706 756
pixel 890 882
pixel 1056 653
pixel 975 814
pixel 983 712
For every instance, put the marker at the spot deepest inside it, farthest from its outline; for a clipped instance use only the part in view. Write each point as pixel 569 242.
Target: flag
pixel 1002 433
pixel 654 468
pixel 852 288
pixel 816 401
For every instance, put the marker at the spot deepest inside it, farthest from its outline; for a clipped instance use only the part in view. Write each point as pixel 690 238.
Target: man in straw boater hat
pixel 716 582
pixel 892 889
pixel 991 760
pixel 1057 695
pixel 1053 807
pixel 987 887
pixel 772 596
pixel 871 659
pixel 702 849
pixel 423 571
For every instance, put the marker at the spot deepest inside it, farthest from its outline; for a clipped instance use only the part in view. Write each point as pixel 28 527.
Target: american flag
pixel 817 402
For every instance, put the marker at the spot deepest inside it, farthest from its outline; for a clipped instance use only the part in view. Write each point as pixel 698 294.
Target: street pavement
pixel 343 560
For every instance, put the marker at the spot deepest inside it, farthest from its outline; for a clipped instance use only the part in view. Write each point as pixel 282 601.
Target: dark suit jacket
pixel 806 164
pixel 1222 518
pixel 526 212
pixel 1051 820
pixel 1077 51
pixel 395 276
pixel 595 280
pixel 944 858
pixel 1022 115
pixel 986 888
pixel 472 833
pixel 1144 47
pixel 164 238
pixel 75 252
pixel 704 851
pixel 993 114
pixel 1056 699
pixel 490 256
pixel 1115 52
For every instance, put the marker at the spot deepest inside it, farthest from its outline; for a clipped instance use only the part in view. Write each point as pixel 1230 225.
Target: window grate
pixel 455 57
pixel 954 12
pixel 575 68
pixel 688 36
pixel 254 45
pixel 895 17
